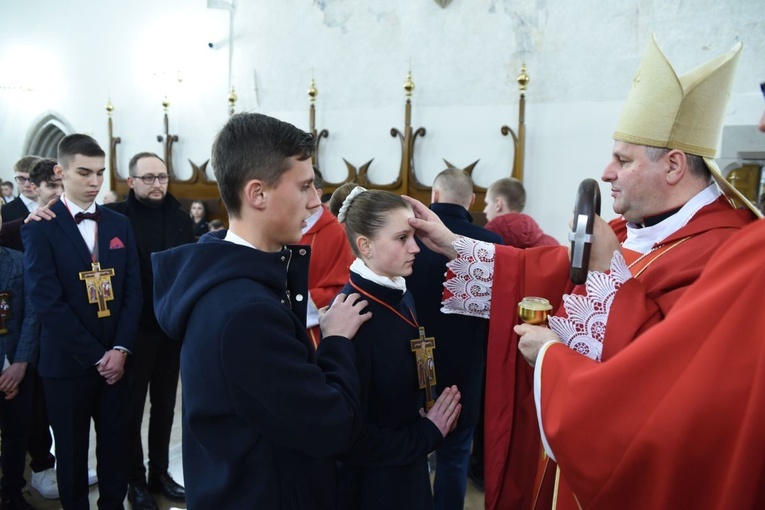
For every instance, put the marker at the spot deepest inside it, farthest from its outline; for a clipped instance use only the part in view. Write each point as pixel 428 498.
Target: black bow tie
pixel 95 216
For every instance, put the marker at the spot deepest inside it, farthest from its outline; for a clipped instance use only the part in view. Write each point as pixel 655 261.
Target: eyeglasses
pixel 20 179
pixel 149 179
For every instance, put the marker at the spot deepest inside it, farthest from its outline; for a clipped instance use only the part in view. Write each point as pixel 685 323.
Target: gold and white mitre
pixel 681 112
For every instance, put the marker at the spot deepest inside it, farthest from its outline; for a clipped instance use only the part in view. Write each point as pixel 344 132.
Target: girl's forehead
pixel 399 219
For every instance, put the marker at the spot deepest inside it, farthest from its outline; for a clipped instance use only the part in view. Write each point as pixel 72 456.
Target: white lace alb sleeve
pixel 584 326
pixel 473 275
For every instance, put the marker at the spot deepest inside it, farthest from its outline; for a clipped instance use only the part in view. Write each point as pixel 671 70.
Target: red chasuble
pixel 676 418
pixel 512 436
pixel 511 432
pixel 331 258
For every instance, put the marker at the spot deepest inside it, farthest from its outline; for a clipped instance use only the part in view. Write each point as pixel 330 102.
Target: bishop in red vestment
pixel 660 172
pixel 512 437
pixel 659 175
pixel 676 419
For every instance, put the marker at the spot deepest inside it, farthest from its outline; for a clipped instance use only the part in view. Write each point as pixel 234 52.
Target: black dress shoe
pixel 140 497
pixel 15 503
pixel 165 485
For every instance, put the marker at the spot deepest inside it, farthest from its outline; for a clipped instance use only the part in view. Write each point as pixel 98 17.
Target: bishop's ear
pixel 676 165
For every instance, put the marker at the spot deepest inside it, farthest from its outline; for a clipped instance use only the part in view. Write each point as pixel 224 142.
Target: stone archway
pixel 46 132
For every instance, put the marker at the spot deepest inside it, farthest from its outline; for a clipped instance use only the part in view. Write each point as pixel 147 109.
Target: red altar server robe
pixel 676 419
pixel 512 443
pixel 331 258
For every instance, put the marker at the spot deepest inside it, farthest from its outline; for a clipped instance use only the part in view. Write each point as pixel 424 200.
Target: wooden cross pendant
pixel 98 283
pixel 426 368
pixel 5 310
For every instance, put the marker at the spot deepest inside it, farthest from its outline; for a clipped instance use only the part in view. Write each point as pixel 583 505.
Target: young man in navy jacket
pixel 263 413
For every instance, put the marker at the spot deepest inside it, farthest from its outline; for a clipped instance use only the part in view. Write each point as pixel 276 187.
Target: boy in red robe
pixel 331 259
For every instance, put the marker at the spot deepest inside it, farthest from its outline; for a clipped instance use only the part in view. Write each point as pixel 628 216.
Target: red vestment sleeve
pixel 511 431
pixel 676 418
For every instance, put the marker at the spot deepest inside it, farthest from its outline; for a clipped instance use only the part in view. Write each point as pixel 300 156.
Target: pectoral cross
pixel 98 284
pixel 5 310
pixel 426 369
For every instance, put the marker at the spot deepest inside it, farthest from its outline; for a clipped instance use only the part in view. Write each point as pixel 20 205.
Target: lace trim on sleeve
pixel 470 287
pixel 585 325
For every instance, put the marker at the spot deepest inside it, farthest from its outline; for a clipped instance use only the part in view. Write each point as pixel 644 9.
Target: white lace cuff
pixel 470 287
pixel 584 326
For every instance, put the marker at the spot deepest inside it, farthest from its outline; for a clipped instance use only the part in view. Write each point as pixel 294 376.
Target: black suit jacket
pixel 177 229
pixel 10 234
pixel 14 210
pixel 72 337
pixel 460 340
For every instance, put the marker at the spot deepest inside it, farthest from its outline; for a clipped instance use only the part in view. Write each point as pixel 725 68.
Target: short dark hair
pixel 7 183
pixel 696 164
pixel 71 145
pixel 511 191
pixel 26 164
pixel 255 146
pixel 455 185
pixel 367 213
pixel 42 171
pixel 134 161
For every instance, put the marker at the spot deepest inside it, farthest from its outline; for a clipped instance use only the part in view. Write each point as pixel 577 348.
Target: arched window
pixel 45 134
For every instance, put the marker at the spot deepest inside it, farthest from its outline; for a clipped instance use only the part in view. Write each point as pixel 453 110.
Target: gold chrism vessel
pixel 534 310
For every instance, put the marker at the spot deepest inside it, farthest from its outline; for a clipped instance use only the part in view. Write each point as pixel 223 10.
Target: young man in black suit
pixel 19 341
pixel 159 224
pixel 26 202
pixel 84 279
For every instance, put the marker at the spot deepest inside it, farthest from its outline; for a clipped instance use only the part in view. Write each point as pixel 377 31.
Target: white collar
pixel 233 238
pixel 74 208
pixel 642 240
pixel 361 269
pixel 312 219
pixel 31 204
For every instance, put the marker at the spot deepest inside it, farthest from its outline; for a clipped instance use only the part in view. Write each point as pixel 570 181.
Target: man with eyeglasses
pixel 26 202
pixel 159 224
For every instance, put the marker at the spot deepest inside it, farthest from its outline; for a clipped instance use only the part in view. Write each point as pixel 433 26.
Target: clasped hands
pixel 11 378
pixel 112 366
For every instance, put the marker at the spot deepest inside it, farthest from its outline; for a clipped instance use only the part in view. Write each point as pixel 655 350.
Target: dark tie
pixel 95 216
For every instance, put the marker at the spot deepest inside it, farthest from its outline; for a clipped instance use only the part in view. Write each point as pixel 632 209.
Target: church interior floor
pixel 473 500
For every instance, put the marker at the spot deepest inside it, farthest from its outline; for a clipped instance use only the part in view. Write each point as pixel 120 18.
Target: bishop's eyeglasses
pixel 149 179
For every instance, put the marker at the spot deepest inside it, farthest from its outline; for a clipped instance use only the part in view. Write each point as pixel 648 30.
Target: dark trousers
pixel 452 458
pixel 40 440
pixel 155 368
pixel 15 415
pixel 72 402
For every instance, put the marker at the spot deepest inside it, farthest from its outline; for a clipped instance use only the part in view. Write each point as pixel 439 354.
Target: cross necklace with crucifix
pixel 5 309
pixel 422 348
pixel 98 281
